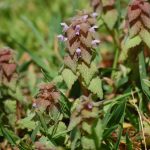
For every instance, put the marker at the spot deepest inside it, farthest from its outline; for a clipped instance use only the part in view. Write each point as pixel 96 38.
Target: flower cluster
pixel 80 37
pixel 138 17
pixel 48 97
pixel 86 111
pixel 7 64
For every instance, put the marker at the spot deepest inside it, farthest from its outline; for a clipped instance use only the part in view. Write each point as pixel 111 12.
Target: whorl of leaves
pixel 48 97
pixel 138 17
pixel 85 111
pixel 7 64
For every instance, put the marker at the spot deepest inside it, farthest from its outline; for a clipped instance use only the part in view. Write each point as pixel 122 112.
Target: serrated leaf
pixel 71 63
pixel 86 127
pixel 98 131
pixel 110 18
pixel 96 87
pixel 27 122
pixel 134 30
pixel 145 35
pixel 87 72
pixel 131 42
pixel 87 40
pixel 86 55
pixel 128 44
pixel 133 14
pixel 88 143
pixel 146 20
pixel 69 77
pixel 74 122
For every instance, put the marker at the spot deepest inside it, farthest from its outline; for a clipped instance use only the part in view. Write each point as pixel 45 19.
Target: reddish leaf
pixel 9 69
pixel 132 15
pixel 146 20
pixel 71 63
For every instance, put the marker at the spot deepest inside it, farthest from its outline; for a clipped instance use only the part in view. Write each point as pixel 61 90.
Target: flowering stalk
pixel 81 39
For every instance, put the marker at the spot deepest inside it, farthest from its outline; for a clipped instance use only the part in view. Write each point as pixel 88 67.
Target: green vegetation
pixel 89 91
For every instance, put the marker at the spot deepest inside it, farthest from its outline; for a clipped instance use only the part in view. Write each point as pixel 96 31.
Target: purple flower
pixel 92 29
pixel 62 38
pixel 94 14
pixel 89 105
pixel 78 52
pixel 77 29
pixel 95 42
pixel 85 17
pixel 65 26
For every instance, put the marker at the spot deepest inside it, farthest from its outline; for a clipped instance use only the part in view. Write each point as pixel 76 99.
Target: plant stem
pixel 115 62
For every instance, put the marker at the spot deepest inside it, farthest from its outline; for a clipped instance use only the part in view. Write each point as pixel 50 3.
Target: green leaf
pixel 86 127
pixel 49 144
pixel 42 121
pixel 75 137
pixel 117 113
pixel 34 133
pixel 145 35
pixel 70 63
pixel 128 44
pixel 88 143
pixel 146 82
pixel 69 77
pixel 96 87
pixel 27 122
pixel 128 143
pixel 10 106
pixel 87 72
pixel 143 74
pixel 65 105
pixel 74 122
pixel 98 132
pixel 8 135
pixel 108 131
pixel 131 42
pixel 110 18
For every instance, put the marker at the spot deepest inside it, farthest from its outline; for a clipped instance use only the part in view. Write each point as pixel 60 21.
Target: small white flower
pixel 95 42
pixel 84 18
pixel 92 29
pixel 78 52
pixel 62 38
pixel 65 26
pixel 77 29
pixel 34 105
pixel 90 106
pixel 94 14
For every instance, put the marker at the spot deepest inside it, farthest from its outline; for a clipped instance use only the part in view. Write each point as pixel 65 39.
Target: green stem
pixel 115 62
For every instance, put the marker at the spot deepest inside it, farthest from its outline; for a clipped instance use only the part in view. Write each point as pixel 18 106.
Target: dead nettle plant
pixel 7 66
pixel 47 98
pixel 8 72
pixel 81 39
pixel 137 41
